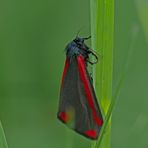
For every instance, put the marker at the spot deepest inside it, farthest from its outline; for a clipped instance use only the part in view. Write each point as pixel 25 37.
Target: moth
pixel 78 106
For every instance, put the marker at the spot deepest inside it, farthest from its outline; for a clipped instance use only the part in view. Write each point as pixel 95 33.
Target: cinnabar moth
pixel 78 106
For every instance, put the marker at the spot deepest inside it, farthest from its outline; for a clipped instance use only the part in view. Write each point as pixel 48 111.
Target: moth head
pixel 80 41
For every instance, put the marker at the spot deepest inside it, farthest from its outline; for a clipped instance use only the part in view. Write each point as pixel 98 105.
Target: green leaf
pixel 102 29
pixel 122 77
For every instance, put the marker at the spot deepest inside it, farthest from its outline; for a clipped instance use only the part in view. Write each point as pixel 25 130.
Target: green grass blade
pixel 3 143
pixel 119 86
pixel 102 28
pixel 110 110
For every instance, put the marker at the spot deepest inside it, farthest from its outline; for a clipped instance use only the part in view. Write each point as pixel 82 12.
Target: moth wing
pixel 69 96
pixel 78 106
pixel 95 119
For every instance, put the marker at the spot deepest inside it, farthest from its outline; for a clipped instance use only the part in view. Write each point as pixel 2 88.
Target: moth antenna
pixel 79 32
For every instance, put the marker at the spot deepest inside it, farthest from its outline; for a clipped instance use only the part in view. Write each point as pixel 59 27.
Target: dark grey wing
pixel 74 109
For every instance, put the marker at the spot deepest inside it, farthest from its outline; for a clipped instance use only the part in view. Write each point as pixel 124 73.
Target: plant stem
pixel 102 28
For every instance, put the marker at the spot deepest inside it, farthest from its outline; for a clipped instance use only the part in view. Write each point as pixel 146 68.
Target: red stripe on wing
pixel 65 69
pixel 83 76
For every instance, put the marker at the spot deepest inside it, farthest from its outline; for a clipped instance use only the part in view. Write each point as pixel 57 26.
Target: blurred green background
pixel 33 35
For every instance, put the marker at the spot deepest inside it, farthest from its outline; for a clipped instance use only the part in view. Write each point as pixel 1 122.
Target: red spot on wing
pixel 65 69
pixel 91 133
pixel 64 117
pixel 83 76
